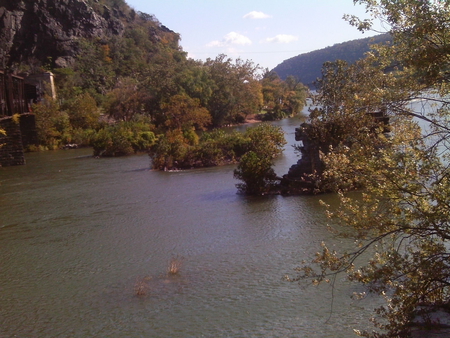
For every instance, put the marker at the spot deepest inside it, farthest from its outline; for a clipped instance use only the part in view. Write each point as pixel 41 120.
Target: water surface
pixel 77 234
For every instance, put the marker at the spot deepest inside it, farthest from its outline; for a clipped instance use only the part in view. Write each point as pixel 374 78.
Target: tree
pixel 185 113
pixel 195 81
pixel 255 167
pixel 401 217
pixel 272 89
pixel 235 93
pixel 123 138
pixel 282 98
pixel 83 112
pixel 96 66
pixel 125 101
pixel 52 124
pixel 295 96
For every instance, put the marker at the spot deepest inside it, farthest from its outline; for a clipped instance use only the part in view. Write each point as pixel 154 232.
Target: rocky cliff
pixel 44 29
pixel 45 32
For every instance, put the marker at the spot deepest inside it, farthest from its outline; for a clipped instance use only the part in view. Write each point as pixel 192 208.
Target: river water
pixel 78 235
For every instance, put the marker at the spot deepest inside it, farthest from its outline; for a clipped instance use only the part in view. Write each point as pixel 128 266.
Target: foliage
pixel 171 150
pixel 96 66
pixel 83 112
pixel 143 71
pixel 185 113
pixel 282 98
pixel 175 150
pixel 217 147
pixel 51 123
pixel 125 100
pixel 80 137
pixel 257 173
pixel 255 167
pixel 235 91
pixel 123 138
pixel 401 218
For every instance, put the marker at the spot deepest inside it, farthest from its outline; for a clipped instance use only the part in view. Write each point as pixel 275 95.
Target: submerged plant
pixel 175 264
pixel 141 288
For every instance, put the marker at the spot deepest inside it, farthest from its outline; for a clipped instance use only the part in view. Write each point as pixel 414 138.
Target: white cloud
pixel 282 38
pixel 256 15
pixel 232 38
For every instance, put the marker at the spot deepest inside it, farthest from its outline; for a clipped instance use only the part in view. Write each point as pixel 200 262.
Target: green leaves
pixel 282 98
pixel 402 216
pixel 255 167
pixel 235 90
pixel 123 138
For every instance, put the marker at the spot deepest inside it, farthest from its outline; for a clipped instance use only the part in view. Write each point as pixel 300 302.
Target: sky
pixel 264 31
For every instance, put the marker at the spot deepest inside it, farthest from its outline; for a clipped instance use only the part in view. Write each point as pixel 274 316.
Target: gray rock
pixel 43 29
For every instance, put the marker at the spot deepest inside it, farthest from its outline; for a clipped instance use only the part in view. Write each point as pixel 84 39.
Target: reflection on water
pixel 77 233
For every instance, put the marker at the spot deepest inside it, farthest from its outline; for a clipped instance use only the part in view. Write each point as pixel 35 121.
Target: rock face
pixel 43 31
pixel 302 176
pixel 307 175
pixel 310 162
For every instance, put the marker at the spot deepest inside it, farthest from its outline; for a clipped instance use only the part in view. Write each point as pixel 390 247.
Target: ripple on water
pixel 75 242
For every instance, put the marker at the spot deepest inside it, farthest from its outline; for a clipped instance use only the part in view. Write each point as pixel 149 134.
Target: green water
pixel 77 234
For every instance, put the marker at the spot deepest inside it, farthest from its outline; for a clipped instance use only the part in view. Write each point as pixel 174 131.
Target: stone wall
pixel 11 147
pixel 28 130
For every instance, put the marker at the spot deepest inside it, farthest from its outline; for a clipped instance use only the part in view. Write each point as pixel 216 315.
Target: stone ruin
pixel 304 176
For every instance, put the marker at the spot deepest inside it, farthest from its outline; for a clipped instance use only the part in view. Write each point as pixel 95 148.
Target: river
pixel 78 235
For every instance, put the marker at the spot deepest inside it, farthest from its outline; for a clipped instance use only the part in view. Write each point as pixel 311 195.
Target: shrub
pixel 83 112
pixel 255 167
pixel 257 173
pixel 51 123
pixel 122 139
pixel 179 149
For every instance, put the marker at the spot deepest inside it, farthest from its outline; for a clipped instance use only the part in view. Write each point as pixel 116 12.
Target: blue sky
pixel 264 31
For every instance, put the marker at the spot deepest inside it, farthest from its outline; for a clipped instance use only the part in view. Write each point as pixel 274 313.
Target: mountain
pixel 307 67
pixel 52 33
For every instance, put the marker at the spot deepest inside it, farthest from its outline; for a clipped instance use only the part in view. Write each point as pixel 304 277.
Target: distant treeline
pixel 307 67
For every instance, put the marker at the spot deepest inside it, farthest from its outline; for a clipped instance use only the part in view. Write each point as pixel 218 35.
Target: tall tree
pixel 233 95
pixel 125 101
pixel 185 113
pixel 402 216
pixel 282 98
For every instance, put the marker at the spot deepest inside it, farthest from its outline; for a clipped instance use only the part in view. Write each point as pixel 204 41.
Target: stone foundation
pixel 11 147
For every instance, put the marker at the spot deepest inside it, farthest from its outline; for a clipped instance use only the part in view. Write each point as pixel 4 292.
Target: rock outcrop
pixel 307 175
pixel 46 31
pixel 303 176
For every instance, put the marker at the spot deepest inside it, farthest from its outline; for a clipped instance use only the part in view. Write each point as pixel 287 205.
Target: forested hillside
pixel 307 67
pixel 100 39
pixel 124 83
